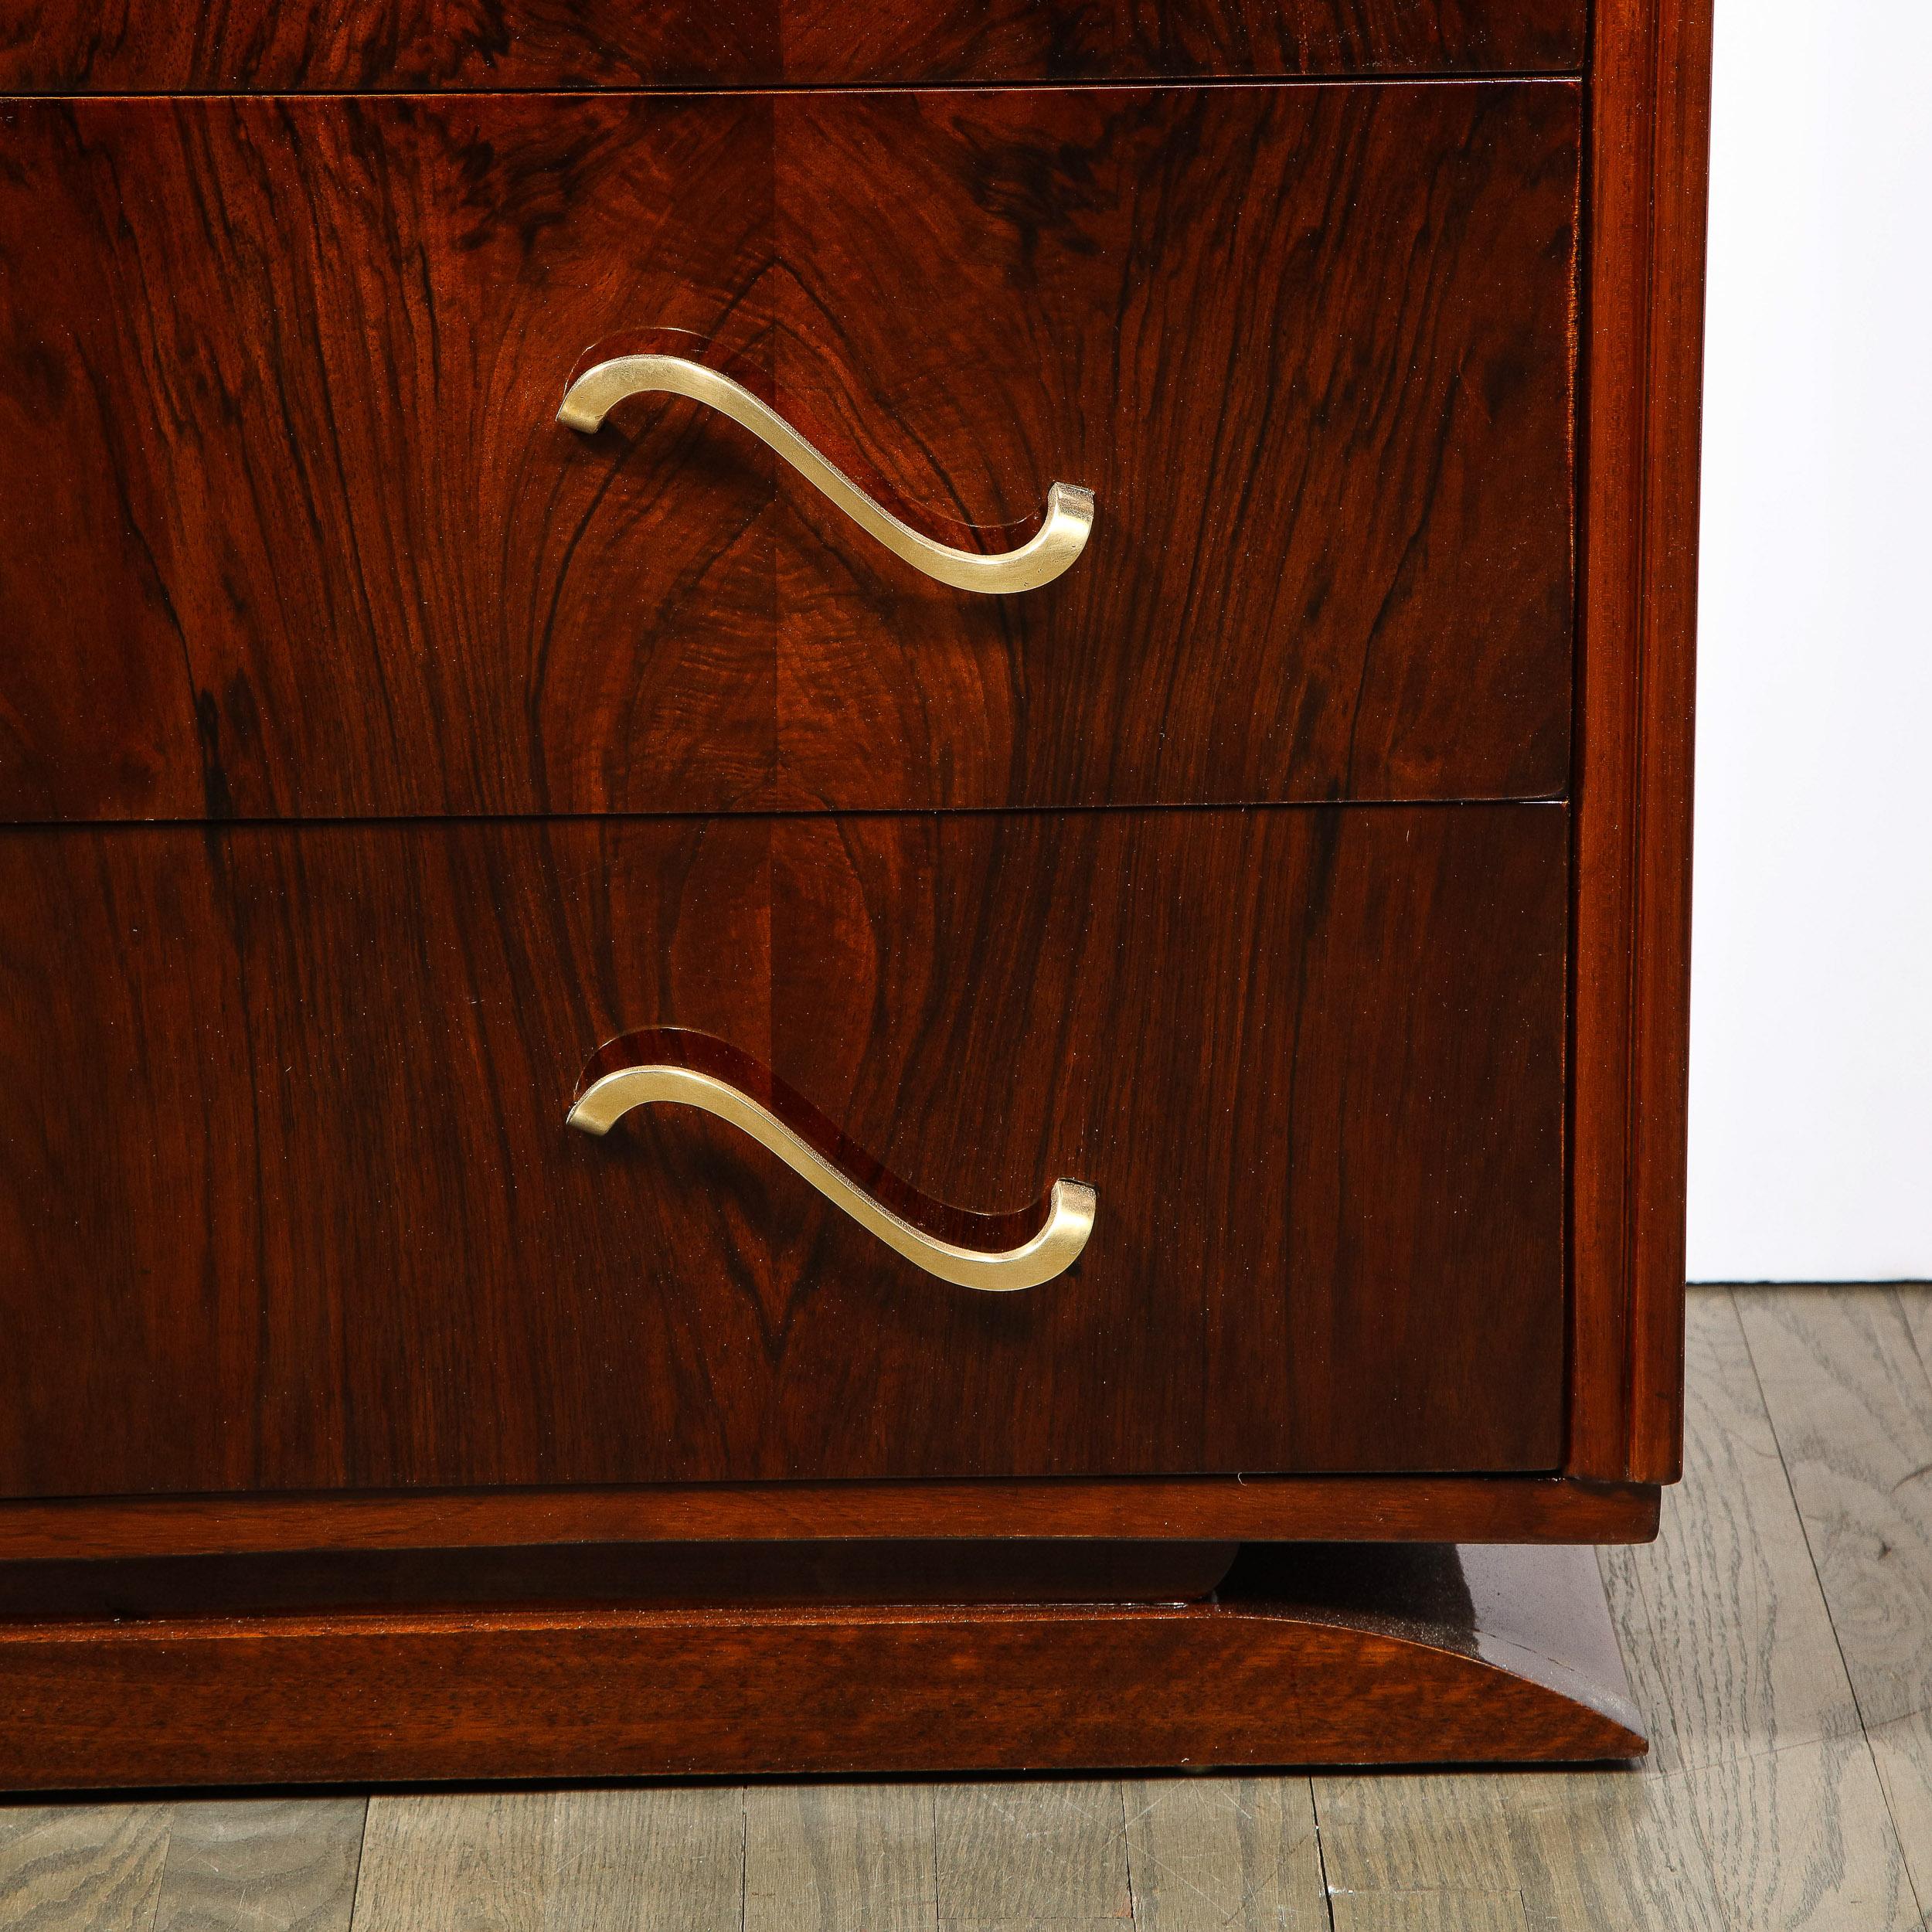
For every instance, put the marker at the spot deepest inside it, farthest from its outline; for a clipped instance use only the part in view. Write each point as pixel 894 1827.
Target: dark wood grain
pixel 287 529
pixel 1508 1509
pixel 144 46
pixel 288 1191
pixel 1175 1008
pixel 1631 992
pixel 1310 348
pixel 1338 1657
pixel 287 526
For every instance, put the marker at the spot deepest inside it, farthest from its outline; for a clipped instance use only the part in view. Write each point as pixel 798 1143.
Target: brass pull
pixel 1051 550
pixel 993 1252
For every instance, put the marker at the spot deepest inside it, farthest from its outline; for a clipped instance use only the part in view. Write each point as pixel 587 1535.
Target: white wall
pixel 1810 1154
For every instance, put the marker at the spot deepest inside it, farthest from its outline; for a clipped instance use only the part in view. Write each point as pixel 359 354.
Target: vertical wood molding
pixel 1648 145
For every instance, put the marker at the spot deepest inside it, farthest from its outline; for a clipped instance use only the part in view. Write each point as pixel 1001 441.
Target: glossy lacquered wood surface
pixel 1650 135
pixel 1352 1655
pixel 145 46
pixel 289 1194
pixel 1394 1508
pixel 288 529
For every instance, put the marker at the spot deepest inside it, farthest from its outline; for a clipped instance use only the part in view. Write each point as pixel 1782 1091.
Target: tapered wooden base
pixel 1306 1655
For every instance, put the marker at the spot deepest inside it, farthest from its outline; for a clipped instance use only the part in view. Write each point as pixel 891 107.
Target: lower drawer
pixel 288 1200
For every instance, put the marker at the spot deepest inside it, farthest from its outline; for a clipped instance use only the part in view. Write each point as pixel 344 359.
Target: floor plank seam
pixel 1831 1615
pixel 1804 1523
pixel 1321 1854
pixel 744 1857
pixel 1131 1860
pixel 1923 1917
pixel 1921 1908
pixel 1700 1838
pixel 355 1883
pixel 932 1800
pixel 152 1916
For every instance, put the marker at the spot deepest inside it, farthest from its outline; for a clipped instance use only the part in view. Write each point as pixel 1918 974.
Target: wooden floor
pixel 1779 1636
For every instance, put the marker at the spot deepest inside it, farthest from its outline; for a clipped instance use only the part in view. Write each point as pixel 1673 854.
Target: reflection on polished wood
pixel 1305 1655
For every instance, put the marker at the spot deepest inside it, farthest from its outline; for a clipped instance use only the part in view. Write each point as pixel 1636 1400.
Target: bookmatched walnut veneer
pixel 844 848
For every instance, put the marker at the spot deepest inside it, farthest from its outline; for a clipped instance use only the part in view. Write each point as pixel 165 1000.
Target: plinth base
pixel 1309 1654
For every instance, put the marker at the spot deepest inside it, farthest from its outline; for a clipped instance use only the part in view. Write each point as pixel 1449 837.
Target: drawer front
pixel 279 46
pixel 289 1203
pixel 288 527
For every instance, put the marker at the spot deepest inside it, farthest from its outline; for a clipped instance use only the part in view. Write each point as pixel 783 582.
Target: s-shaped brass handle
pixel 994 1253
pixel 1050 551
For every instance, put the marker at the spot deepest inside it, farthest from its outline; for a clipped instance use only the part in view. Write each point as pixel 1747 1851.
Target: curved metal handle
pixel 669 1065
pixel 1050 551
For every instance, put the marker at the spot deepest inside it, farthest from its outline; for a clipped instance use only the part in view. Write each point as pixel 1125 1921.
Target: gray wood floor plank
pixel 1801 1841
pixel 1732 1654
pixel 1430 1912
pixel 1224 1855
pixel 1903 1751
pixel 1011 1853
pixel 81 1868
pixel 655 1856
pixel 261 1865
pixel 1561 1849
pixel 453 1862
pixel 840 1858
pixel 1852 1405
pixel 1915 1304
pixel 606 1860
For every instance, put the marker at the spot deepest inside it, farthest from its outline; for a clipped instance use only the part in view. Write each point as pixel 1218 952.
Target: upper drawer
pixel 288 526
pixel 279 46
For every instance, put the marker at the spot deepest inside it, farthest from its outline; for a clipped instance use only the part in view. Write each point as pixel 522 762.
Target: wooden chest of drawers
pixel 1073 623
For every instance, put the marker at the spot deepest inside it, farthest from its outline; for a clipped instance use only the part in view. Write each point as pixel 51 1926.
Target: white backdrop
pixel 1812 975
